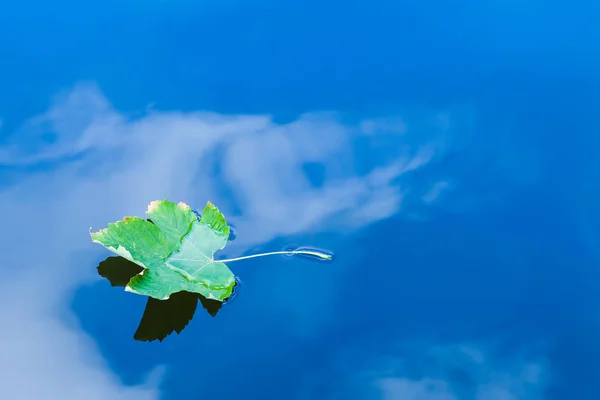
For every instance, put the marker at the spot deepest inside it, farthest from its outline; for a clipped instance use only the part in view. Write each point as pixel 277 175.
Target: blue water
pixel 445 152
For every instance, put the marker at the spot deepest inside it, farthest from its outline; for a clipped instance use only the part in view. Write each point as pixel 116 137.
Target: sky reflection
pixel 427 300
pixel 456 180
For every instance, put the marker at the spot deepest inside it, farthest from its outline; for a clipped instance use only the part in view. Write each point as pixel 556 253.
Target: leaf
pixel 173 220
pixel 137 240
pixel 195 261
pixel 175 249
pixel 162 282
pixel 161 318
pixel 119 271
pixel 212 217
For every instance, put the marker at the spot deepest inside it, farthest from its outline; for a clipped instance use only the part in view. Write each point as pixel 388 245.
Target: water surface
pixel 445 153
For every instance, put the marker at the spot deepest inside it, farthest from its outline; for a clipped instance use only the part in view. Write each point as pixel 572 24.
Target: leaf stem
pixel 313 253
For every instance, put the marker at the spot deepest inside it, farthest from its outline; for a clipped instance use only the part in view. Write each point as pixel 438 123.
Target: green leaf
pixel 195 258
pixel 195 262
pixel 163 282
pixel 175 249
pixel 136 240
pixel 215 219
pixel 174 220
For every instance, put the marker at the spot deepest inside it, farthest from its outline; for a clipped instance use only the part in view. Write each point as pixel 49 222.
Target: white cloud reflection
pixel 486 375
pixel 104 165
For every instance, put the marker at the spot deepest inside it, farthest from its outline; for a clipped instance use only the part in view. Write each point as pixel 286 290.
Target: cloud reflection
pixel 102 164
pixel 462 370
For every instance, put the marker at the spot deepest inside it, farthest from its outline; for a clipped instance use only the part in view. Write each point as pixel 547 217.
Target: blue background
pixel 507 260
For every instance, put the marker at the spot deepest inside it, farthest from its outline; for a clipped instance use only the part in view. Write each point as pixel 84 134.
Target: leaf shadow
pixel 161 317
